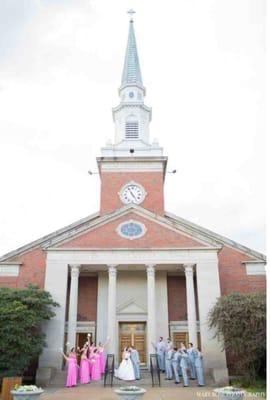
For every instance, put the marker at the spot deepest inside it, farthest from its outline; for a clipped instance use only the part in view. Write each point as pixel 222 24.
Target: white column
pixel 191 305
pixel 151 308
pixel 208 293
pixel 55 283
pixel 112 270
pixel 73 304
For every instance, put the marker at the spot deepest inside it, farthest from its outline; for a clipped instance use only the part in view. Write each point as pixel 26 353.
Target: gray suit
pixel 191 356
pixel 199 367
pixel 135 359
pixel 184 366
pixel 168 364
pixel 175 365
pixel 160 349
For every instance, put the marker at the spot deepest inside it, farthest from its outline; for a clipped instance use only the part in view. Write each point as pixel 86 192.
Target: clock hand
pixel 132 194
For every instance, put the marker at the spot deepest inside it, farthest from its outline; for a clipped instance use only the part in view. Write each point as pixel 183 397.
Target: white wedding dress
pixel 125 370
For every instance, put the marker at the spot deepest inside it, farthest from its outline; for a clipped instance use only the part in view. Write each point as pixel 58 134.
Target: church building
pixel 133 271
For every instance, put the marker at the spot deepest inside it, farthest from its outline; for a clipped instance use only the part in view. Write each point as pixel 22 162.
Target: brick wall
pixel 112 182
pixel 156 236
pixel 232 272
pixel 32 270
pixel 177 301
pixel 87 298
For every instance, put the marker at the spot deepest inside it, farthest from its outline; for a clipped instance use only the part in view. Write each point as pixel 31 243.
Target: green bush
pixel 240 321
pixel 21 340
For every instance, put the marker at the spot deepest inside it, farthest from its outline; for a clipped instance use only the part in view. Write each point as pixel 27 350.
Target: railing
pixel 109 369
pixel 154 370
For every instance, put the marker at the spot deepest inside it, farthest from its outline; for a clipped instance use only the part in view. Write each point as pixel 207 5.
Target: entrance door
pixel 133 334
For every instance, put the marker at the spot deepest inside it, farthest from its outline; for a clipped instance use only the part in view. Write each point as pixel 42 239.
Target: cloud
pixel 202 64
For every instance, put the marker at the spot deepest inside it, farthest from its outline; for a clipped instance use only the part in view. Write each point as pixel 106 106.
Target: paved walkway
pixel 88 392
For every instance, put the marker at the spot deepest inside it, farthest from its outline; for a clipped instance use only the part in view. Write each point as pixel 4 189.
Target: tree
pixel 22 312
pixel 240 320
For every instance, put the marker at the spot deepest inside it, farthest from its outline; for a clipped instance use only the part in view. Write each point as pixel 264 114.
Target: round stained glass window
pixel 131 229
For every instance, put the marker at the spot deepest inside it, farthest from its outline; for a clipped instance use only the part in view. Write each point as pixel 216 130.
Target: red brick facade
pixel 233 276
pixel 87 298
pixel 177 301
pixel 32 270
pixel 111 184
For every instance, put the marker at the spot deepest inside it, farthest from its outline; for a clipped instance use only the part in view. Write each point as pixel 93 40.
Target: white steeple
pixel 132 116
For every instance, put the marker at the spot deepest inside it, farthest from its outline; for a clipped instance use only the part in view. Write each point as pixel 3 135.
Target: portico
pixel 148 270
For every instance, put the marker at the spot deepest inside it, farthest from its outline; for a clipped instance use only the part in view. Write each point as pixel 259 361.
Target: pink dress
pixel 72 371
pixel 84 370
pixel 102 360
pixel 95 373
pixel 90 358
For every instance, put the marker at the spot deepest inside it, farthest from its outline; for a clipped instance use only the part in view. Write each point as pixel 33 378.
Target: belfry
pixel 133 271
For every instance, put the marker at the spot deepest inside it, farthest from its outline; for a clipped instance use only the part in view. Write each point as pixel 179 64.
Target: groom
pixel 135 359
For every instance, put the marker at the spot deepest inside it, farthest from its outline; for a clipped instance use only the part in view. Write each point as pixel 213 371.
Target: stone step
pixel 59 380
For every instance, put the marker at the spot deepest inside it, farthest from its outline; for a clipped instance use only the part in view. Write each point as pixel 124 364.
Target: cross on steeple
pixel 131 12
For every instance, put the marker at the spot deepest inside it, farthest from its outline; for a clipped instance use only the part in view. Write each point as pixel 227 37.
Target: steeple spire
pixel 131 72
pixel 132 117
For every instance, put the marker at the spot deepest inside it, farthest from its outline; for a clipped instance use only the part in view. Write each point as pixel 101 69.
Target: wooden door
pixel 133 334
pixel 179 337
pixel 139 343
pixel 81 339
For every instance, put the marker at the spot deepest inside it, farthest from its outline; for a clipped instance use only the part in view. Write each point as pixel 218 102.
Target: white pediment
pixel 130 307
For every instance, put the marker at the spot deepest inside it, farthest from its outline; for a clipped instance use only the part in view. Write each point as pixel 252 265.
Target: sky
pixel 203 65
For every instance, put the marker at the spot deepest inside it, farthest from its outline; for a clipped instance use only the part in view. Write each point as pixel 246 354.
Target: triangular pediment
pixel 130 307
pixel 83 226
pixel 156 232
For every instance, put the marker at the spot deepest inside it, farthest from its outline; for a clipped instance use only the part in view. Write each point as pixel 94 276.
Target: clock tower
pixel 132 170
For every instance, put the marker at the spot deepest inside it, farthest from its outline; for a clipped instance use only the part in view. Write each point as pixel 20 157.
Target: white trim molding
pixel 255 268
pixel 10 269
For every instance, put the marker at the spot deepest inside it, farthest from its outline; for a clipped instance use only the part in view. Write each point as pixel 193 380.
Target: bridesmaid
pixel 91 348
pixel 84 366
pixel 72 372
pixel 95 360
pixel 101 352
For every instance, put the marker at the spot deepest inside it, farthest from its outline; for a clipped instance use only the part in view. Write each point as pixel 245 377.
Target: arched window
pixel 132 128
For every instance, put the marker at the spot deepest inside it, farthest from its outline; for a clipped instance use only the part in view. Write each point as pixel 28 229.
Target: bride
pixel 125 370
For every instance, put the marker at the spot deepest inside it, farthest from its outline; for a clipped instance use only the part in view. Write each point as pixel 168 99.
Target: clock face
pixel 131 94
pixel 132 193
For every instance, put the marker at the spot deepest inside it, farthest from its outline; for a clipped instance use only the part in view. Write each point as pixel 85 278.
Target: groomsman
pixel 160 350
pixel 191 357
pixel 184 366
pixel 168 364
pixel 175 364
pixel 135 359
pixel 199 367
pixel 169 344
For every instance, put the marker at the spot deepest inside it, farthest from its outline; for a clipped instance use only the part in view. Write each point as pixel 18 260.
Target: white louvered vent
pixel 132 130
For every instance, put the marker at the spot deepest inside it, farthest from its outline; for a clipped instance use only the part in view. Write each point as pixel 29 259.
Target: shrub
pixel 21 340
pixel 240 321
